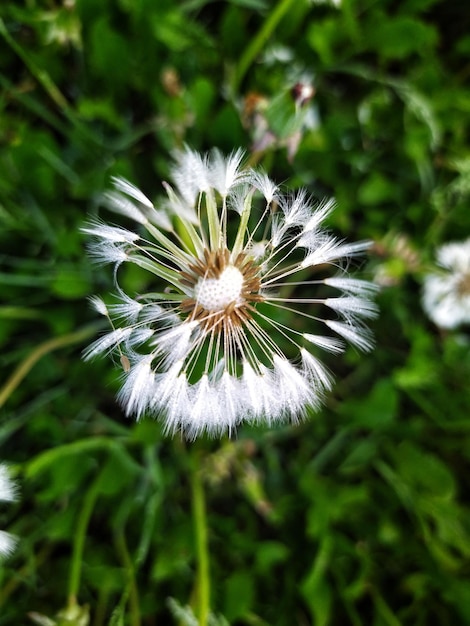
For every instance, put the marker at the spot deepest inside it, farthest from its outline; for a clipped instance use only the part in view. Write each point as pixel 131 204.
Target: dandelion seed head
pixel 8 493
pixel 207 349
pixel 8 489
pixel 446 290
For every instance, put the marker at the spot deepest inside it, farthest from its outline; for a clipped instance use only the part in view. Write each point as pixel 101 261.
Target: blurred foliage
pixel 358 516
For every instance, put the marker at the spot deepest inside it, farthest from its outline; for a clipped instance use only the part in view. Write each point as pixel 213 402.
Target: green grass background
pixel 359 516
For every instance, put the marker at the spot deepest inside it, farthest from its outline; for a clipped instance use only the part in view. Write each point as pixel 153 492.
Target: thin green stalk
pixel 157 268
pixel 259 41
pixel 89 445
pixel 202 549
pixel 46 82
pixel 167 244
pixel 43 349
pixel 79 543
pixel 242 228
pixel 19 313
pixel 26 572
pixel 213 220
pixel 40 74
pixel 131 591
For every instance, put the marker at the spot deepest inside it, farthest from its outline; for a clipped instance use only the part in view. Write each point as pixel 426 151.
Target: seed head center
pixel 223 292
pixel 216 294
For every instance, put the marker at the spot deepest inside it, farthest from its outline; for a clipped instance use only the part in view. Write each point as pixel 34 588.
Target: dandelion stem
pixel 256 44
pixel 200 529
pixel 131 589
pixel 41 350
pixel 79 543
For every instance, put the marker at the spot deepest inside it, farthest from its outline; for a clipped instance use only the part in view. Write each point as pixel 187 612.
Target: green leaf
pixel 118 471
pixel 424 471
pixel 70 283
pixel 316 589
pixel 399 37
pixel 378 409
pixel 269 554
pixel 239 595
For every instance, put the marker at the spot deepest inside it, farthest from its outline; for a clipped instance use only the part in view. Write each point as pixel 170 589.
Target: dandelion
pixel 446 291
pixel 247 299
pixel 7 494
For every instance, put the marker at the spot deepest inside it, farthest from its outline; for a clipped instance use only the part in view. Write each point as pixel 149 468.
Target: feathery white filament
pixel 8 493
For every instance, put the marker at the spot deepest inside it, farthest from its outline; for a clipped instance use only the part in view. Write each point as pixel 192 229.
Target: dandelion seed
pixel 209 348
pixel 8 493
pixel 446 291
